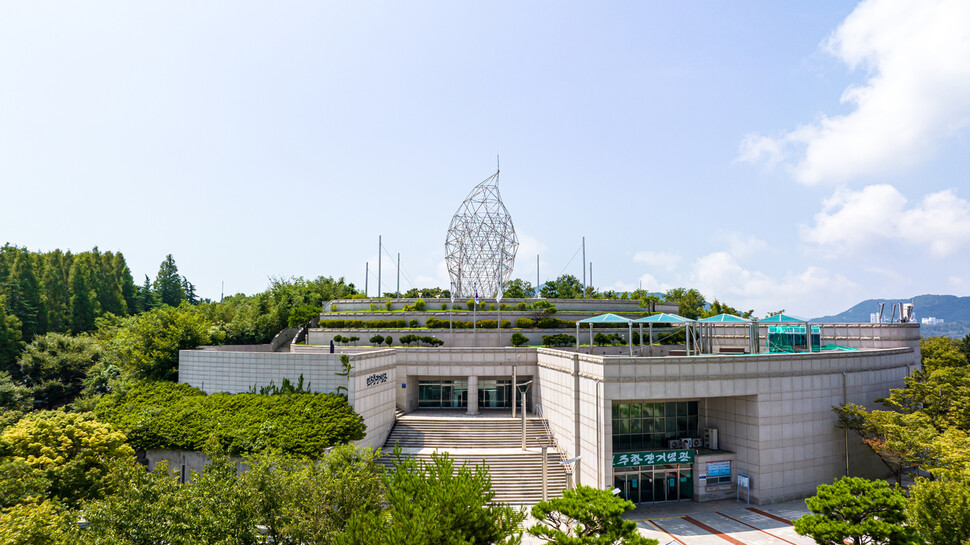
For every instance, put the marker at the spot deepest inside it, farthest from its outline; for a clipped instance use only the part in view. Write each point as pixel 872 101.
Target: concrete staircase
pixel 495 442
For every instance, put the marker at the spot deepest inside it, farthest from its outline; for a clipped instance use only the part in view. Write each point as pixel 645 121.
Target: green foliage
pixel 362 324
pixel 347 367
pixel 559 340
pixel 519 289
pixel 900 440
pixel 285 388
pixel 566 286
pixel 168 284
pixel 413 323
pixel 611 339
pixel 55 365
pixel 388 339
pixel 518 339
pixel 858 511
pixel 10 337
pixel 147 345
pixel 165 415
pixel 14 396
pixel 302 501
pixel 46 523
pixel 20 483
pixel 586 515
pixel 940 510
pixel 690 301
pixel 72 451
pixel 419 305
pixel 303 315
pixel 377 340
pixel 720 308
pixel 434 503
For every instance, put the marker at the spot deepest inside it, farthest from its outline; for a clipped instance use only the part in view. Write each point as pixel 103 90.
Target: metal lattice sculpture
pixel 481 244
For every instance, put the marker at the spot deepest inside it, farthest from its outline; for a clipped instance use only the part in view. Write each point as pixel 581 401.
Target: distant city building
pixel 930 320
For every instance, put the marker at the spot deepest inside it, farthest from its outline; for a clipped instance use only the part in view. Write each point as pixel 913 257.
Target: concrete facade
pixel 772 411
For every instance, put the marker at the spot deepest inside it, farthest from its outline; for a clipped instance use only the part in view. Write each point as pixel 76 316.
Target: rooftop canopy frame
pixel 664 318
pixel 607 318
pixel 785 319
pixel 707 330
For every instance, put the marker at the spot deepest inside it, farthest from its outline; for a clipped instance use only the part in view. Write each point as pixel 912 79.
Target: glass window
pixel 692 408
pixel 624 410
pixel 636 426
pixel 658 409
pixel 634 410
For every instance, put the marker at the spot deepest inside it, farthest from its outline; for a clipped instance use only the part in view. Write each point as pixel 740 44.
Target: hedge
pixel 361 324
pixel 166 415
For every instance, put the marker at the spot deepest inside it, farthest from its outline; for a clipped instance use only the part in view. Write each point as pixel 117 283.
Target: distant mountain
pixel 946 307
pixel 953 310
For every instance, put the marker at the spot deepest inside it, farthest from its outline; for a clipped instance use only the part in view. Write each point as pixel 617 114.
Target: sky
pixel 774 155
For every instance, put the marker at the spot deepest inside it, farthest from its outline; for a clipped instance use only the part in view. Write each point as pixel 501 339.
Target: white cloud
pixel 719 275
pixel 742 246
pixel 852 220
pixel 658 260
pixel 917 59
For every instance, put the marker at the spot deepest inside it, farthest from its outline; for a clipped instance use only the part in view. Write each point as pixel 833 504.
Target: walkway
pixel 715 523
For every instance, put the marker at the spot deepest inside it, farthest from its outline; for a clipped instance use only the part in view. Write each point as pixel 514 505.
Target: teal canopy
pixel 605 319
pixel 663 318
pixel 779 318
pixel 725 318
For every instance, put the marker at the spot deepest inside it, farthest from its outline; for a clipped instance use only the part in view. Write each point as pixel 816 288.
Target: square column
pixel 472 395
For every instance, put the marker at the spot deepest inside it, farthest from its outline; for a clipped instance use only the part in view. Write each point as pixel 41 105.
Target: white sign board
pixel 744 481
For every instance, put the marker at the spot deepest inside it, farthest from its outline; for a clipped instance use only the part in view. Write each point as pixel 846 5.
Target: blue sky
pixel 772 154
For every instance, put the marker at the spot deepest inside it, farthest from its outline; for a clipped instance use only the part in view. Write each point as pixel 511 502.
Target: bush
pixel 521 306
pixel 377 339
pixel 163 415
pixel 444 306
pixel 518 339
pixel 525 323
pixel 558 340
pixel 388 340
pixel 491 306
pixel 353 339
pixel 432 341
pixel 338 339
pixel 601 339
pixel 470 304
pixel 419 305
pixel 413 323
pixel 408 339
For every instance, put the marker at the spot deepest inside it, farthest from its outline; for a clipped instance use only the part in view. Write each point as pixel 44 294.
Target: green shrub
pixel 377 339
pixel 373 306
pixel 525 323
pixel 419 305
pixel 338 338
pixel 458 306
pixel 491 306
pixel 388 305
pixel 165 415
pixel 558 340
pixel 408 339
pixel 413 323
pixel 388 340
pixel 444 306
pixel 518 339
pixel 470 304
pixel 521 306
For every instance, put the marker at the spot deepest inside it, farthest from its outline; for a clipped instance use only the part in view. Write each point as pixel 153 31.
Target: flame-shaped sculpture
pixel 481 244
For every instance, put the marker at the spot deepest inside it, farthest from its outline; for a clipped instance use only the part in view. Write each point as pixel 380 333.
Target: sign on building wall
pixel 632 459
pixel 377 378
pixel 719 469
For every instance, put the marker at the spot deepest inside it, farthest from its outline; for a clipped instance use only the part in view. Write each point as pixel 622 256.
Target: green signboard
pixel 632 459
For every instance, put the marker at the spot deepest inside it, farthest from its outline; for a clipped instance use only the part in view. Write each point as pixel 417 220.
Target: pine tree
pixel 189 289
pixel 168 283
pixel 84 300
pixel 146 297
pixel 10 343
pixel 123 276
pixel 24 296
pixel 57 295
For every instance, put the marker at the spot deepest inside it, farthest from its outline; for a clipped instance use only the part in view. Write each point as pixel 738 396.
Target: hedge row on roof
pixel 166 415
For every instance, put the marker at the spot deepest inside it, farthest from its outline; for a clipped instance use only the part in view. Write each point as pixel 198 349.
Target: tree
pixel 168 284
pixel 148 344
pixel 145 296
pixel 71 450
pixel 24 296
pixel 54 367
pixel 10 343
pixel 304 501
pixel 188 288
pixel 900 440
pixel 690 301
pixel 14 396
pixel 940 509
pixel 586 515
pixel 566 286
pixel 541 310
pixel 56 292
pixel 718 307
pixel 432 503
pixel 46 523
pixel 858 511
pixel 519 289
pixel 84 299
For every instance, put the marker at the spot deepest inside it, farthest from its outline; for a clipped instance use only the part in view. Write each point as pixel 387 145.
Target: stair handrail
pixel 555 442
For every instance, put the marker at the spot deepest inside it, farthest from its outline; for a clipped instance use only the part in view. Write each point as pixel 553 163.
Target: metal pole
pixel 584 267
pixel 366 276
pixel 544 449
pixel 398 274
pixel 380 247
pixel 591 273
pixel 474 323
pixel 537 275
pixel 498 297
pixel 523 419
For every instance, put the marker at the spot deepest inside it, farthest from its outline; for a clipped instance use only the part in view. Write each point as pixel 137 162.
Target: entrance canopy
pixel 607 318
pixel 781 318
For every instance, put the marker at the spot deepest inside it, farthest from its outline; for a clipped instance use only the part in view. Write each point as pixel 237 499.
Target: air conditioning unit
pixel 696 442
pixel 673 444
pixel 710 438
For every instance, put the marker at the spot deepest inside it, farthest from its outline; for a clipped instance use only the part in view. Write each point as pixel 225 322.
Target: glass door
pixel 629 485
pixel 671 485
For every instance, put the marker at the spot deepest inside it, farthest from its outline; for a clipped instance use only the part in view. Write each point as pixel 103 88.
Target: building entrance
pixel 645 484
pixel 453 394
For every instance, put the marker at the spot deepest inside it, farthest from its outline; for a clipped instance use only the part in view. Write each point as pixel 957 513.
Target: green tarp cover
pixel 725 318
pixel 662 318
pixel 605 319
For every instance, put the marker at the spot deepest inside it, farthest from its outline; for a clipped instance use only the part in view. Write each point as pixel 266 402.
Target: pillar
pixel 472 395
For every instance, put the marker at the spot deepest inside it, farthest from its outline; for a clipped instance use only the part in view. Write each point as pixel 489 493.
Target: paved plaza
pixel 716 523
